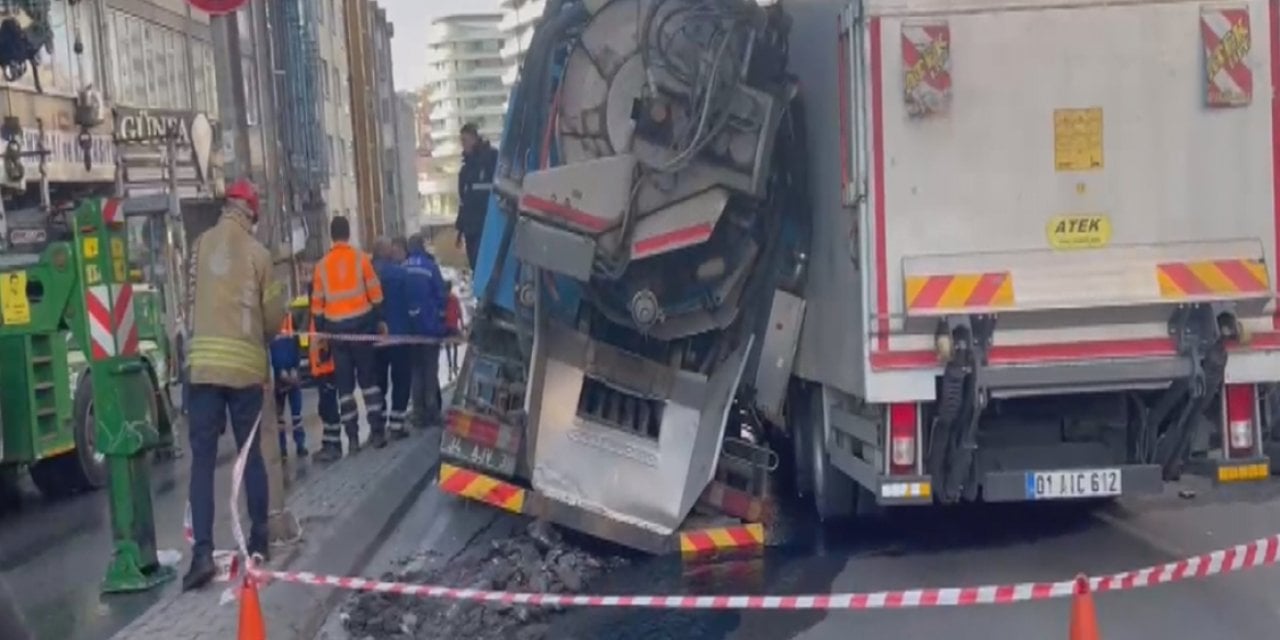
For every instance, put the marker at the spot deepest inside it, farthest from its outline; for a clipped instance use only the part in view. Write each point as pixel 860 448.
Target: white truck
pixel 1020 251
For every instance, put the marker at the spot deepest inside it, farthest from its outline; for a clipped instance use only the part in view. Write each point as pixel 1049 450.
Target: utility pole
pixel 231 98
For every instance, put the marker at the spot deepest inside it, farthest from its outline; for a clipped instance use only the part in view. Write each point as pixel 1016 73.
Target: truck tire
pixel 81 469
pixel 834 493
pixel 10 491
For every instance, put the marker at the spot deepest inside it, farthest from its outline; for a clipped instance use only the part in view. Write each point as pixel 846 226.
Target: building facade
pixel 519 17
pixel 340 194
pixel 406 155
pixel 389 126
pixel 464 82
pixel 55 100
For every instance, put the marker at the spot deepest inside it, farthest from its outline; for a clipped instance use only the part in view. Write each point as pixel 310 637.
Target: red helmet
pixel 244 190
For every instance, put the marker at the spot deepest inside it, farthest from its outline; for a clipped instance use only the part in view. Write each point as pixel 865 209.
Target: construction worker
pixel 285 361
pixel 322 371
pixel 475 184
pixel 346 299
pixel 426 290
pixel 393 360
pixel 236 309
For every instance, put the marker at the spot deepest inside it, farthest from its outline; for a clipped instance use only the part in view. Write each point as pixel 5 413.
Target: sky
pixel 411 18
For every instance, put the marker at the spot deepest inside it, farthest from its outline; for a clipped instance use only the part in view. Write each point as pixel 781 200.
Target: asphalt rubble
pixel 536 560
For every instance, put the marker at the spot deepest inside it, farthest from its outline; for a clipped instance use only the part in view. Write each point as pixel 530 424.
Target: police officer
pixel 475 183
pixel 346 298
pixel 236 310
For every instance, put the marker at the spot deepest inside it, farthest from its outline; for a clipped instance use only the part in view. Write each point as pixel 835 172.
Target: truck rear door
pixel 1079 169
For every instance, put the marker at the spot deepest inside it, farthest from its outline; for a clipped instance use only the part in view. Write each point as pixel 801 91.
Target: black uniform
pixel 475 183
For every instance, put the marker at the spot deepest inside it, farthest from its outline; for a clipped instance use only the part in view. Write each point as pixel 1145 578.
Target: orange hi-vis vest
pixel 345 286
pixel 321 359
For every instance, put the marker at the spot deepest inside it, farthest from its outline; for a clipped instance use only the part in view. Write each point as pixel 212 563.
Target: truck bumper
pixel 1256 469
pixel 692 542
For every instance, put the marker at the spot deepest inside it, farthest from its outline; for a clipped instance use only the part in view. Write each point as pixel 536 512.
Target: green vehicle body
pixel 46 405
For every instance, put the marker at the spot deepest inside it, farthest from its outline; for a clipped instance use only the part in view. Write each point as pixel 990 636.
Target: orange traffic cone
pixel 252 626
pixel 1084 620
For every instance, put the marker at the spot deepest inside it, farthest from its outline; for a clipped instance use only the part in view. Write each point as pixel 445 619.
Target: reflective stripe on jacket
pixel 237 306
pixel 321 359
pixel 232 354
pixel 345 288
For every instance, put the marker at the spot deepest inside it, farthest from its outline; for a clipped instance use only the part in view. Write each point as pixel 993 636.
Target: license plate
pixel 477 454
pixel 1076 483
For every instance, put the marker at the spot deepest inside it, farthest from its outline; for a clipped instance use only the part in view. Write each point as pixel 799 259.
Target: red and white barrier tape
pixel 375 338
pixel 1239 558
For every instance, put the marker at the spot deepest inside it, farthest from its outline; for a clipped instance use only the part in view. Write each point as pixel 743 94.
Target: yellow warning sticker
pixel 1078 232
pixel 14 306
pixel 1077 139
pixel 90 248
pixel 117 248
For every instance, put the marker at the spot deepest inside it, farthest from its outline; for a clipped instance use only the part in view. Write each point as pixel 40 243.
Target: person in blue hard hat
pixel 286 360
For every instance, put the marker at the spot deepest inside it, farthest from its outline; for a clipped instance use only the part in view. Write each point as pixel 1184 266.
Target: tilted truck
pixel 967 250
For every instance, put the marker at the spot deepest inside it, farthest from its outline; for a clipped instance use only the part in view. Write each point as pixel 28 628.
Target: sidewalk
pixel 345 509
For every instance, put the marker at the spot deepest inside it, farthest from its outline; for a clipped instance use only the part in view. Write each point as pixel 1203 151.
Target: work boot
pixel 302 451
pixel 201 573
pixel 329 453
pixel 260 548
pixel 378 439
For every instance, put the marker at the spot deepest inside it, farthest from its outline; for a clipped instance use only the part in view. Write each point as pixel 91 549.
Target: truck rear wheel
pixel 10 491
pixel 82 469
pixel 834 493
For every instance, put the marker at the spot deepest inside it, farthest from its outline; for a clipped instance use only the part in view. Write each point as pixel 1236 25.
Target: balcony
pixel 528 12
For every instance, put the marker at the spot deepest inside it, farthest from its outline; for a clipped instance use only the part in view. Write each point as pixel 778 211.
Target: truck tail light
pixel 903 419
pixel 1241 415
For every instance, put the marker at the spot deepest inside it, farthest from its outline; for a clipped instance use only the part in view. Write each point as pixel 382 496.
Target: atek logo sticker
pixel 1078 232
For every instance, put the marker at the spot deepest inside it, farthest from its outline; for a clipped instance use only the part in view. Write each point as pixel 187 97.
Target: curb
pixel 350 545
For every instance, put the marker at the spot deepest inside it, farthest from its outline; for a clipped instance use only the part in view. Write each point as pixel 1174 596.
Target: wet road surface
pixel 54 554
pixel 995 544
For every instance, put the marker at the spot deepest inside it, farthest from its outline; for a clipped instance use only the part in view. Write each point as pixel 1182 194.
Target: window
pixel 338 85
pixel 324 77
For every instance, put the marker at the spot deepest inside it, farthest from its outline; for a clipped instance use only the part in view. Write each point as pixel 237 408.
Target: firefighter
pixel 322 370
pixel 475 183
pixel 346 299
pixel 236 309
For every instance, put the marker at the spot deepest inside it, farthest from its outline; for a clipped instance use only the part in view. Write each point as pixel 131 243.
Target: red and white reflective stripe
pixel 112 329
pixel 1247 556
pixel 97 302
pixel 126 327
pixel 112 211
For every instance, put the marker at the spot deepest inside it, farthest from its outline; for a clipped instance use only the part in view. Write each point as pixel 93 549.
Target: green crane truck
pixel 46 398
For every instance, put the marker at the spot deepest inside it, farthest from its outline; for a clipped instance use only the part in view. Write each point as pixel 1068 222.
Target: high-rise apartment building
pixel 519 17
pixel 464 81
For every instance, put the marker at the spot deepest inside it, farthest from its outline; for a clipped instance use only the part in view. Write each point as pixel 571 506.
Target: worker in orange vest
pixel 346 300
pixel 322 370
